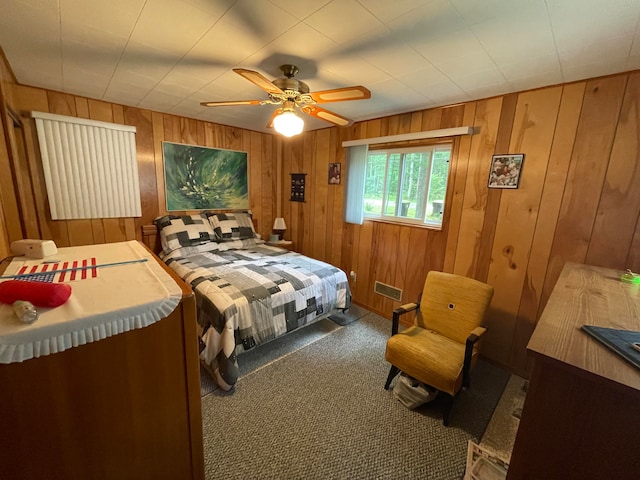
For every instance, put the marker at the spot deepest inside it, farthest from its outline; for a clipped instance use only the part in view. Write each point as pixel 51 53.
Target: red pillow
pixel 41 294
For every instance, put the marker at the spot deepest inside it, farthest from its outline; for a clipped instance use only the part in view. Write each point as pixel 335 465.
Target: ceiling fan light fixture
pixel 295 94
pixel 287 123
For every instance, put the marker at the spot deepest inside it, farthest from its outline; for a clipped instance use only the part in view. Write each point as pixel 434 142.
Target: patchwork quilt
pixel 249 293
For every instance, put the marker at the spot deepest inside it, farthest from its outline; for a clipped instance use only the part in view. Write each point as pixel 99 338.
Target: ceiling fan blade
pixel 326 115
pixel 357 92
pixel 259 80
pixel 232 102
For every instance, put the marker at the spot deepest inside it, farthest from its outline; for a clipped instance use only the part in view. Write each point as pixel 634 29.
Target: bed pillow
pixel 232 226
pixel 183 231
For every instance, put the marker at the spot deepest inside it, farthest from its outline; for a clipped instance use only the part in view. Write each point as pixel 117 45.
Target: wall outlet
pixel 352 274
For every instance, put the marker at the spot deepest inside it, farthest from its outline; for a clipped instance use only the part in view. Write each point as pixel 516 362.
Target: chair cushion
pixel 453 305
pixel 429 357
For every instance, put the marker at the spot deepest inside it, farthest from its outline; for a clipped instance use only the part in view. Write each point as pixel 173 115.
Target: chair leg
pixel 392 373
pixel 466 380
pixel 448 402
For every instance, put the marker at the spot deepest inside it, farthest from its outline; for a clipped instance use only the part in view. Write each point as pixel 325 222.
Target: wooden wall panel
pixel 457 186
pixel 7 203
pixel 157 126
pixel 384 258
pixel 306 237
pixel 494 195
pixel 32 99
pixel 10 227
pixel 475 196
pixel 619 206
pixel 8 193
pixel 416 268
pixel 145 151
pixel 633 258
pixel 533 128
pixel 336 212
pixel 364 247
pixel 22 169
pixel 556 175
pixel 318 181
pixel 589 161
pixel 403 264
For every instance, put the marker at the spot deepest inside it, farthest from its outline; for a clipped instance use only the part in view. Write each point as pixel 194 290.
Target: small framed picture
pixel 334 173
pixel 506 170
pixel 297 187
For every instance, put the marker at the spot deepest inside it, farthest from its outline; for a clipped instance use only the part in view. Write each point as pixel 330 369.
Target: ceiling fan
pixel 292 93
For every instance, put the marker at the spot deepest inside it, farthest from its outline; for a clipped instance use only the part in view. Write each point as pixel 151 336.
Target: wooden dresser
pixel 581 418
pixel 125 407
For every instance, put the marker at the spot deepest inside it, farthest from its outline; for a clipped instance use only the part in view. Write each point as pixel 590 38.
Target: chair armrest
pixel 409 307
pixel 475 335
pixel 472 339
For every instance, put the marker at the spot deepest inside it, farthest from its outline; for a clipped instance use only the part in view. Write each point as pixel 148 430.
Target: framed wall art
pixel 334 173
pixel 202 178
pixel 506 171
pixel 297 187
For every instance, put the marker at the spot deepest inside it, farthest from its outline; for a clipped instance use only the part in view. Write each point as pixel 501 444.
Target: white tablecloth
pixel 120 298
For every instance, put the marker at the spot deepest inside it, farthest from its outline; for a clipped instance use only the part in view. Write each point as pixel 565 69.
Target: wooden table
pixel 581 418
pixel 286 244
pixel 125 407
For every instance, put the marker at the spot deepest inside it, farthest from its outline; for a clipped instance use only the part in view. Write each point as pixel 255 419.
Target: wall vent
pixel 388 291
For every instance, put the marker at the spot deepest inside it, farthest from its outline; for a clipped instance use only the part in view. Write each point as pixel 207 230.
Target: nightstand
pixel 286 244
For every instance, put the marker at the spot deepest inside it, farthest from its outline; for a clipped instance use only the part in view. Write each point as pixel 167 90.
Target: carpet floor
pixel 500 435
pixel 321 412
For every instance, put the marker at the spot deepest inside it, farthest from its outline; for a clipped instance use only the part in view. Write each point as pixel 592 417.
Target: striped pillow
pixel 183 231
pixel 232 226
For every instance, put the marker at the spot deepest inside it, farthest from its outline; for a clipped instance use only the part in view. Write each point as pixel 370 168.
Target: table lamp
pixel 279 227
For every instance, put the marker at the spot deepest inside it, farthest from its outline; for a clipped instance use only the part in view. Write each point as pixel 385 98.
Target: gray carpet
pixel 262 355
pixel 321 412
pixel 500 435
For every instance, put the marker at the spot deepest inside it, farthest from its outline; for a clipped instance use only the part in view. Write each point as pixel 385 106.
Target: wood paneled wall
pixel 152 129
pixel 7 193
pixel 578 200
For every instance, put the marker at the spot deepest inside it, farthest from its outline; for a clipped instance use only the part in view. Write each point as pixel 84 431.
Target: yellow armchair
pixel 441 348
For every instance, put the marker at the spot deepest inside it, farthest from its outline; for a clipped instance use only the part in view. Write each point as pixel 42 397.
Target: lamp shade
pixel 288 123
pixel 279 224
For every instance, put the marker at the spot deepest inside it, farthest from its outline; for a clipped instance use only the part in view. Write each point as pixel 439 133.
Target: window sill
pixel 404 224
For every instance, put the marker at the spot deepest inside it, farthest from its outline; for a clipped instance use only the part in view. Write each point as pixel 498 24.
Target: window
pixel 407 185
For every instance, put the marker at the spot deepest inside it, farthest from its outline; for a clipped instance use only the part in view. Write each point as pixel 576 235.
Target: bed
pixel 247 292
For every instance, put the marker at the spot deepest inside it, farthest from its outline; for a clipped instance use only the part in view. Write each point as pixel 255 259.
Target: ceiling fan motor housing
pixel 292 84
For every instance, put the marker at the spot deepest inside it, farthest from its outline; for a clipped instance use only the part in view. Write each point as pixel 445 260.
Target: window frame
pixel 412 148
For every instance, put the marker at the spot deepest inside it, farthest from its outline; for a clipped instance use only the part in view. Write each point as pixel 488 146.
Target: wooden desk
pixel 125 407
pixel 581 418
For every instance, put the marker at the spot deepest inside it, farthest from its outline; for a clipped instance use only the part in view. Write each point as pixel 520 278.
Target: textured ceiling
pixel 170 55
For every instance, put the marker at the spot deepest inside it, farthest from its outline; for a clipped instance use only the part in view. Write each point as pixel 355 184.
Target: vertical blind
pixel 90 167
pixel 357 166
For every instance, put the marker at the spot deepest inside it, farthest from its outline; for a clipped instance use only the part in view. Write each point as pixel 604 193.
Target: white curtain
pixel 356 168
pixel 90 167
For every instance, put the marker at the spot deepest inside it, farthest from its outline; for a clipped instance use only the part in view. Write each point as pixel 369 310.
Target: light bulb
pixel 288 124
